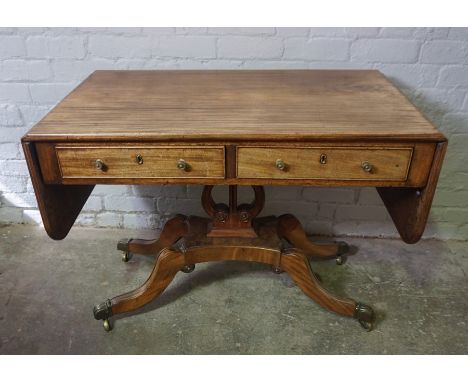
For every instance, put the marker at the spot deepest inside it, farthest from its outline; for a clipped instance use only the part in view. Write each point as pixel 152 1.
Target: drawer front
pixel 141 162
pixel 337 163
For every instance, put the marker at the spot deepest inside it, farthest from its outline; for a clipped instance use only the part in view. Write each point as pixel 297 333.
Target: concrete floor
pixel 48 289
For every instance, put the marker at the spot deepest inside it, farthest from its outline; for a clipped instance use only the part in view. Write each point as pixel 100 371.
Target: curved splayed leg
pixel 298 267
pixel 291 230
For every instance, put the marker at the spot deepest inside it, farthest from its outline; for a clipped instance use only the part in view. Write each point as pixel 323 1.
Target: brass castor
pixel 277 270
pixel 122 245
pixel 343 249
pixel 126 256
pixel 365 316
pixel 107 325
pixel 188 268
pixel 367 326
pixel 341 259
pixel 102 312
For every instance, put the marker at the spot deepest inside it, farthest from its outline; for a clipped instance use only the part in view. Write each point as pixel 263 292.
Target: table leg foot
pixel 172 231
pixel 341 259
pixel 102 312
pixel 167 264
pixel 365 316
pixel 126 255
pixel 290 229
pixel 298 267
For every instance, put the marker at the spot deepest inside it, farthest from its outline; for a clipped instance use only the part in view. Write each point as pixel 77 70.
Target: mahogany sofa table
pixel 278 127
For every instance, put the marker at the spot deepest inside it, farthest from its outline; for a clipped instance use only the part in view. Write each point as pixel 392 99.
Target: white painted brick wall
pixel 57 47
pixel 112 47
pixel 321 49
pixel 39 66
pixel 250 47
pixel 385 50
pixel 186 46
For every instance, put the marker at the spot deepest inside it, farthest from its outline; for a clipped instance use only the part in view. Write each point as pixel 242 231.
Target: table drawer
pixel 337 163
pixel 140 162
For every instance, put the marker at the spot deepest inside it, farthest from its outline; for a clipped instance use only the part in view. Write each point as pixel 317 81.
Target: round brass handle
pixel 182 165
pixel 366 166
pixel 100 165
pixel 139 158
pixel 280 165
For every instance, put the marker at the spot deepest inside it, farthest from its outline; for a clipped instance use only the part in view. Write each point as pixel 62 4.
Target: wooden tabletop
pixel 227 105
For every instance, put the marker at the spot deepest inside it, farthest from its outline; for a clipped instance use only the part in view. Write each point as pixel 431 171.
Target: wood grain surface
pixel 59 205
pixel 274 105
pixel 409 208
pixel 77 163
pixel 156 161
pixel 390 163
pixel 231 127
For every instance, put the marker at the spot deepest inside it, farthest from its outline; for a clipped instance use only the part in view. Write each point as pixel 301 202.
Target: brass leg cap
pixel 103 311
pixel 277 270
pixel 122 245
pixel 365 316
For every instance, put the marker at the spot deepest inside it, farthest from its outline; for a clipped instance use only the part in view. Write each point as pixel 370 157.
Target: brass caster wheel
pixel 126 256
pixel 367 326
pixel 277 270
pixel 188 268
pixel 341 259
pixel 107 325
pixel 365 316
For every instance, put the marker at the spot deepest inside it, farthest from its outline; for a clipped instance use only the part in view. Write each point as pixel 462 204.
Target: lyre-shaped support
pixel 233 220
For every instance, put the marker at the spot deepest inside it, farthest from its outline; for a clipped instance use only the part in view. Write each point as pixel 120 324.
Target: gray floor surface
pixel 48 289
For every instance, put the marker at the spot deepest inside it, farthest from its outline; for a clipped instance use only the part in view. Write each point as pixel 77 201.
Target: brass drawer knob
pixel 280 165
pixel 182 165
pixel 139 158
pixel 366 166
pixel 100 165
pixel 323 158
